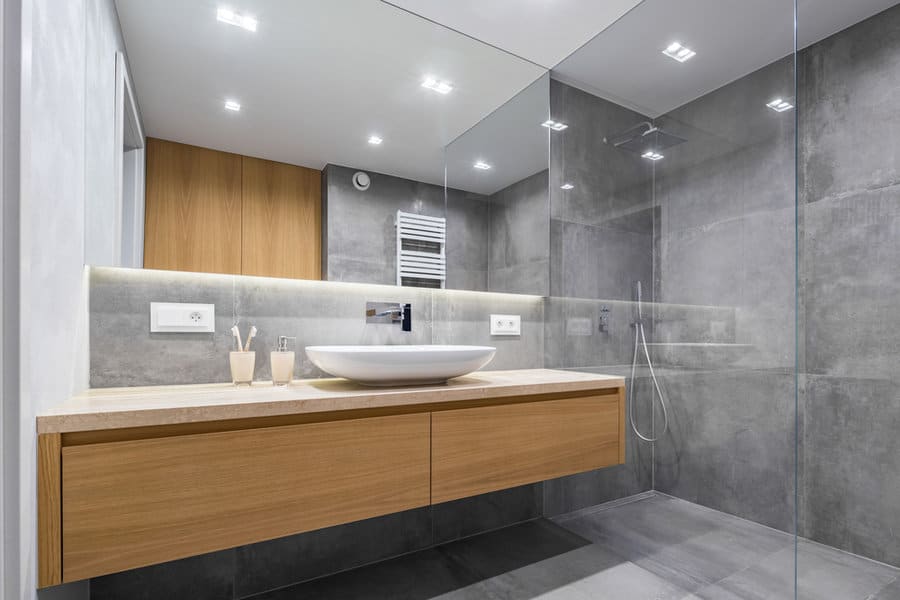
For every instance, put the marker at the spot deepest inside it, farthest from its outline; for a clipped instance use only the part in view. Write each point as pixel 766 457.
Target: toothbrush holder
pixel 242 365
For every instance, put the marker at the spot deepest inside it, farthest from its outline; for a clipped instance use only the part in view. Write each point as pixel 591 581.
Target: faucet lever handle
pixel 406 313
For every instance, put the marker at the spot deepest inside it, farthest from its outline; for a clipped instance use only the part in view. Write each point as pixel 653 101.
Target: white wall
pixel 67 152
pixel 9 312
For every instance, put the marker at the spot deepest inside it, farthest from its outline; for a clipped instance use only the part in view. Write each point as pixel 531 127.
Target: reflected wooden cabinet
pixel 215 212
pixel 193 209
pixel 281 220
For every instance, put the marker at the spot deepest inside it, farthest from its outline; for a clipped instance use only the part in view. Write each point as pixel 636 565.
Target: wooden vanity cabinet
pixel 134 503
pixel 479 450
pixel 117 499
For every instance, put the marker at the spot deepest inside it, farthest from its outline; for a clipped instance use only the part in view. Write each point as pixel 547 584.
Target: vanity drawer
pixel 134 503
pixel 484 449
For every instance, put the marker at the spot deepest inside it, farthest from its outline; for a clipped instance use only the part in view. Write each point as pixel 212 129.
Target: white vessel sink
pixel 400 365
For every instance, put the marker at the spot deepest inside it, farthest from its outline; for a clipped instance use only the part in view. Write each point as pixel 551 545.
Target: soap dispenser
pixel 282 361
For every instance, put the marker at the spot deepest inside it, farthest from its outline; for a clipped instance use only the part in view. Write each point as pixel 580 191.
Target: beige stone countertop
pixel 114 408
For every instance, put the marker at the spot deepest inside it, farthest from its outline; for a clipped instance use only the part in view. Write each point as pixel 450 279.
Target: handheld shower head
pixel 637 297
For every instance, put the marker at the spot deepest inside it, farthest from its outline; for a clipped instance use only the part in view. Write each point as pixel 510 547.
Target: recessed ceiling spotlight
pixel 566 186
pixel 779 105
pixel 482 165
pixel 227 15
pixel 441 87
pixel 554 125
pixel 375 140
pixel 232 105
pixel 652 155
pixel 678 52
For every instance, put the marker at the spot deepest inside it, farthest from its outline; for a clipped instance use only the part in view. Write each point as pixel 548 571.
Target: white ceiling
pixel 314 81
pixel 731 37
pixel 542 31
pixel 318 77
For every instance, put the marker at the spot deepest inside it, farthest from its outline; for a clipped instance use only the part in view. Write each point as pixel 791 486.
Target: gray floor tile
pixel 823 574
pixel 419 576
pixel 685 544
pixel 889 592
pixel 659 548
pixel 506 550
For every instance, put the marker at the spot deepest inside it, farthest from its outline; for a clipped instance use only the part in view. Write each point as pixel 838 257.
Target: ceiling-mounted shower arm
pixel 643 137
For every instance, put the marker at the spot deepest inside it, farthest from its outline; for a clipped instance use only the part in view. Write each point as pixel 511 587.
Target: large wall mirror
pixel 283 139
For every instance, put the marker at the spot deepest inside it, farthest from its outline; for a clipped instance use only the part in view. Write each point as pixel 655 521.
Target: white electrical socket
pixel 173 317
pixel 506 325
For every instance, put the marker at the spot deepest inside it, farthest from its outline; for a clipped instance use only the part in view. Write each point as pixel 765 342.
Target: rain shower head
pixel 644 137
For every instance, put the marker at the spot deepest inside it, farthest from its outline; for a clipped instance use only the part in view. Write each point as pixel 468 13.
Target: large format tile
pixel 464 318
pixel 469 516
pixel 590 572
pixel 462 569
pixel 853 476
pixel 418 576
pixel 204 577
pixel 685 544
pixel 285 561
pixel 889 592
pixel 731 443
pixel 822 574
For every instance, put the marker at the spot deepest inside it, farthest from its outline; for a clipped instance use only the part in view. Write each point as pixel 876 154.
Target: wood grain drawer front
pixel 480 450
pixel 135 503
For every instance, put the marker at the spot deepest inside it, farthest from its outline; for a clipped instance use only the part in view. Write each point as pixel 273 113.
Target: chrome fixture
pixel 604 319
pixel 390 312
pixel 645 139
pixel 640 341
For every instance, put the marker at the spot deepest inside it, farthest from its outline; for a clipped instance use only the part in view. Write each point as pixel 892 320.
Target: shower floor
pixel 651 547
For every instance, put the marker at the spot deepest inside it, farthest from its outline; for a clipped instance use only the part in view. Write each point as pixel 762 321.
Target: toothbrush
pixel 250 337
pixel 237 336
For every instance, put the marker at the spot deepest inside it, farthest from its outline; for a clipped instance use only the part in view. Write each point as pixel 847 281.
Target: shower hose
pixel 640 341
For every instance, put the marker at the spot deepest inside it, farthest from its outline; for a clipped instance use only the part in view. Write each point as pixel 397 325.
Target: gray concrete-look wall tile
pixel 851 470
pixel 360 226
pixel 122 349
pixel 519 248
pixel 851 285
pixel 469 516
pixel 124 352
pixel 464 318
pixel 731 442
pixel 285 561
pixel 203 577
pixel 848 87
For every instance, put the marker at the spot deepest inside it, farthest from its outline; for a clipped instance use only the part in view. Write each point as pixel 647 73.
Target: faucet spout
pixel 390 312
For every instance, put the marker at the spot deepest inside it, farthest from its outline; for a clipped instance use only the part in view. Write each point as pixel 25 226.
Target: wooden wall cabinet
pixel 112 500
pixel 214 212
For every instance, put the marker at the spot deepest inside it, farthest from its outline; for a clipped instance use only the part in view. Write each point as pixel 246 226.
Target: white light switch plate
pixel 182 318
pixel 506 325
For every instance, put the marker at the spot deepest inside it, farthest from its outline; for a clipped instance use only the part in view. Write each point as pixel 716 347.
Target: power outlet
pixel 506 325
pixel 173 317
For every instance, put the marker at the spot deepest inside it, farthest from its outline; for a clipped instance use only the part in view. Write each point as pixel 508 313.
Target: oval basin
pixel 400 365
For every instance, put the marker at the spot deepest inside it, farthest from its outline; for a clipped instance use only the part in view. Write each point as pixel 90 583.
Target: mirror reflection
pixel 284 139
pixel 503 162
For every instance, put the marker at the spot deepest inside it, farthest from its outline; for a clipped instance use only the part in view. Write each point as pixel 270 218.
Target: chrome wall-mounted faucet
pixel 390 312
